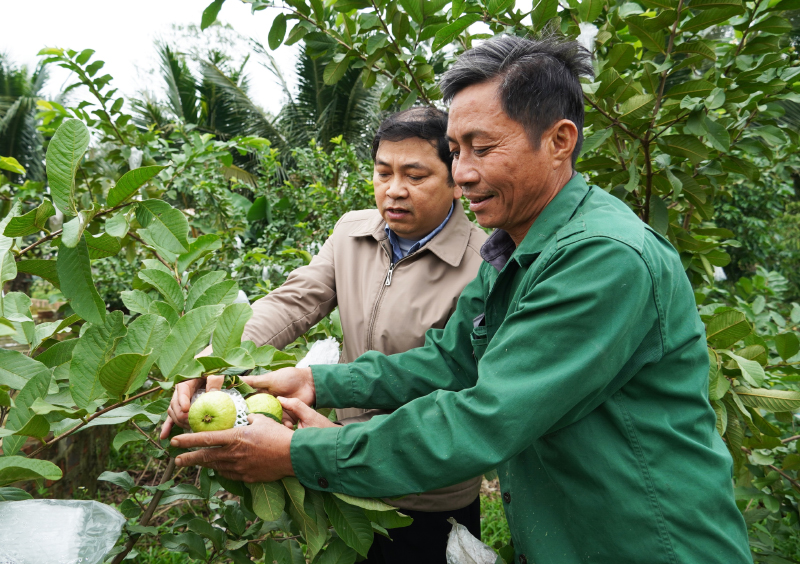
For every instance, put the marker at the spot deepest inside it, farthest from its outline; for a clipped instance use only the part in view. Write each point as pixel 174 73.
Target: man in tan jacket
pixel 394 272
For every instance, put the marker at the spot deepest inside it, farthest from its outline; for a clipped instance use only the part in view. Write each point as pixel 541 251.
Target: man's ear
pixel 561 138
pixel 457 192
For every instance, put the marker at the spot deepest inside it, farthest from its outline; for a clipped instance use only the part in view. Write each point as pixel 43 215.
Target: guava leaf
pixel 188 337
pixel 18 468
pixel 228 334
pixel 89 356
pixel 64 154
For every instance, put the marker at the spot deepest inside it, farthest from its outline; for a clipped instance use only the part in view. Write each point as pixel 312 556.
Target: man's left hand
pixel 258 452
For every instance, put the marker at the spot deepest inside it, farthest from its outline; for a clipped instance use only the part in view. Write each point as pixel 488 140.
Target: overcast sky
pixel 122 34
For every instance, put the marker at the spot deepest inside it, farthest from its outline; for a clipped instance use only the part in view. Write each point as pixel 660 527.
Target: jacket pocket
pixel 479 342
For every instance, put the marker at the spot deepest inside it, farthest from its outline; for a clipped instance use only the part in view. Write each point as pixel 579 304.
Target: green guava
pixel 266 405
pixel 212 411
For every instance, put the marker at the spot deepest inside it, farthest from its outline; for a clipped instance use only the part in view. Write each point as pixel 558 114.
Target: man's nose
pixel 397 189
pixel 464 171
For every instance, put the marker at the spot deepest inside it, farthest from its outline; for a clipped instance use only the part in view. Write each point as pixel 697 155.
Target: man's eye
pixel 480 151
pixel 383 174
pixel 453 154
pixel 415 178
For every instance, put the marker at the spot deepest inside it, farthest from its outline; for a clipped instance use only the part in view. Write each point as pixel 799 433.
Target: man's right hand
pixel 286 382
pixel 178 412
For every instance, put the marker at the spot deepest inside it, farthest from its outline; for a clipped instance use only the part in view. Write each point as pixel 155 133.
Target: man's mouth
pixel 397 213
pixel 478 202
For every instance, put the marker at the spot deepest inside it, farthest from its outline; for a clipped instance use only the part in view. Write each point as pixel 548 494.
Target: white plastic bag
pixel 463 548
pixel 50 531
pixel 325 351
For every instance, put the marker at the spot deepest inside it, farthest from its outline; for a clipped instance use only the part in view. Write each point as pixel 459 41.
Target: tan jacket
pixel 382 308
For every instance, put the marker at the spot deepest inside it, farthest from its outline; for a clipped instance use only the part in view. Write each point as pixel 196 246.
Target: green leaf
pixel 145 335
pixel 365 502
pixel 17 468
pixel 163 309
pixel 12 164
pixel 166 285
pixel 223 293
pixel 708 4
pixel 446 34
pixel 14 494
pixel 775 25
pixel 337 552
pixel 89 356
pixel 121 479
pixel 45 269
pixel 187 338
pixel 698 48
pixel 64 154
pixel 785 5
pixel 190 543
pixel 787 345
pixel 268 500
pixel 297 510
pixel 199 248
pixel 16 369
pixel 263 355
pixel 200 286
pixel 751 370
pixel 117 226
pixel 75 276
pixel 718 136
pixel 72 230
pixel 228 334
pixel 718 384
pixel 708 18
pixel 388 519
pixel 498 7
pixel 117 375
pixel 277 32
pixel 589 10
pixel 652 40
pixel 210 13
pixel 684 146
pixel 30 223
pixel 637 107
pixel 771 400
pixel 545 11
pixel 334 71
pixel 58 354
pixel 37 426
pixel 130 182
pixel 695 88
pixel 727 328
pixel 102 246
pixel 35 388
pixel 165 225
pixel 136 301
pixel 350 523
pixel 414 9
pixel 620 56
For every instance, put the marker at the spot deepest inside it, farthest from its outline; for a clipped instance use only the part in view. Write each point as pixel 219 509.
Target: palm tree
pixel 19 137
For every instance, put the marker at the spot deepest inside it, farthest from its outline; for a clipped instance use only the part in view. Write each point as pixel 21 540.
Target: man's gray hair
pixel 539 80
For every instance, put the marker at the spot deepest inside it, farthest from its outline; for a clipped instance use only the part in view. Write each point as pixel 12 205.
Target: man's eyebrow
pixel 414 165
pixel 468 136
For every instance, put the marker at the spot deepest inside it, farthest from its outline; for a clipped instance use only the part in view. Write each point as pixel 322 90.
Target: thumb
pixel 214 383
pixel 297 407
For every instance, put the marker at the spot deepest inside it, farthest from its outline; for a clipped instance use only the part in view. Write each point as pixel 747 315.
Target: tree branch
pixel 93 416
pixel 134 236
pixel 614 122
pixel 147 514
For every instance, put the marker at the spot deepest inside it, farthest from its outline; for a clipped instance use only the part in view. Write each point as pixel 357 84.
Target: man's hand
pixel 258 452
pixel 182 400
pixel 286 382
pixel 302 414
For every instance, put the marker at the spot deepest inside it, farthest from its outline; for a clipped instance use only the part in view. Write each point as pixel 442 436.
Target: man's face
pixel 411 187
pixel 507 181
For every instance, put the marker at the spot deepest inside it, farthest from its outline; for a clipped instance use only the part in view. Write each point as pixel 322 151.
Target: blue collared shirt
pixel 398 253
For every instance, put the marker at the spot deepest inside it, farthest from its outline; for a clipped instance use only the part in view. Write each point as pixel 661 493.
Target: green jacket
pixel 580 371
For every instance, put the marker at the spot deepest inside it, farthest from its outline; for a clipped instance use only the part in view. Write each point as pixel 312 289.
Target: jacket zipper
pixel 387 282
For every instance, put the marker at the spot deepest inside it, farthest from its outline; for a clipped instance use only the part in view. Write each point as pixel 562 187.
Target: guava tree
pixel 685 103
pixel 99 367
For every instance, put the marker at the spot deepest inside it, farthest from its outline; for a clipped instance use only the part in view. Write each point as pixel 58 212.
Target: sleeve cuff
pixel 333 385
pixel 314 460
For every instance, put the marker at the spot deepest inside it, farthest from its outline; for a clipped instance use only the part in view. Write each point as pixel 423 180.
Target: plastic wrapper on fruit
pixel 463 548
pixel 71 531
pixel 325 351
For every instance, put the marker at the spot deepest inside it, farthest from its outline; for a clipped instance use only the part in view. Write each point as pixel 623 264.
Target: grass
pixel 494 527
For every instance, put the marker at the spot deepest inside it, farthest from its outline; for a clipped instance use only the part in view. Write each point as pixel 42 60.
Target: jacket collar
pixel 449 244
pixel 499 248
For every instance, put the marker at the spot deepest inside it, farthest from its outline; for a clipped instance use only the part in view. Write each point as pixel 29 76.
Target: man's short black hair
pixel 539 80
pixel 426 123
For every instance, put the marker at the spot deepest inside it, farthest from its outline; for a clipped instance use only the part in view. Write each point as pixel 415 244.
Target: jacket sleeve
pixel 377 381
pixel 559 353
pixel 307 296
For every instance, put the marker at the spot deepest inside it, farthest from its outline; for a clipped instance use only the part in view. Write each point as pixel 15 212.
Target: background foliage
pixel 153 212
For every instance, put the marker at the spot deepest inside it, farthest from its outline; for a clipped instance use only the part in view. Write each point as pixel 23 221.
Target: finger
pixel 165 428
pixel 214 383
pixel 209 457
pixel 297 407
pixel 184 392
pixel 206 439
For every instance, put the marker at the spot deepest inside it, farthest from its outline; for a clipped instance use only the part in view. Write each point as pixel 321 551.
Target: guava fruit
pixel 212 411
pixel 266 405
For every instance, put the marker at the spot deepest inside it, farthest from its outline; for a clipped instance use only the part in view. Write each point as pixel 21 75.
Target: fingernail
pixel 174 442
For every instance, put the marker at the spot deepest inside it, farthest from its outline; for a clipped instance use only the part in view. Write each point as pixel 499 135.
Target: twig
pixel 397 48
pixel 778 470
pixel 146 467
pixel 134 236
pixel 790 439
pixel 147 514
pixel 146 436
pixel 614 121
pixel 95 415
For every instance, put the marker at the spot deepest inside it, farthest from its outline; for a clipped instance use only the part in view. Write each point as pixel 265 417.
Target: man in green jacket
pixel 575 362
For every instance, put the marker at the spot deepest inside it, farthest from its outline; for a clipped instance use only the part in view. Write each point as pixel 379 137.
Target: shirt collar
pixel 397 253
pixel 499 247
